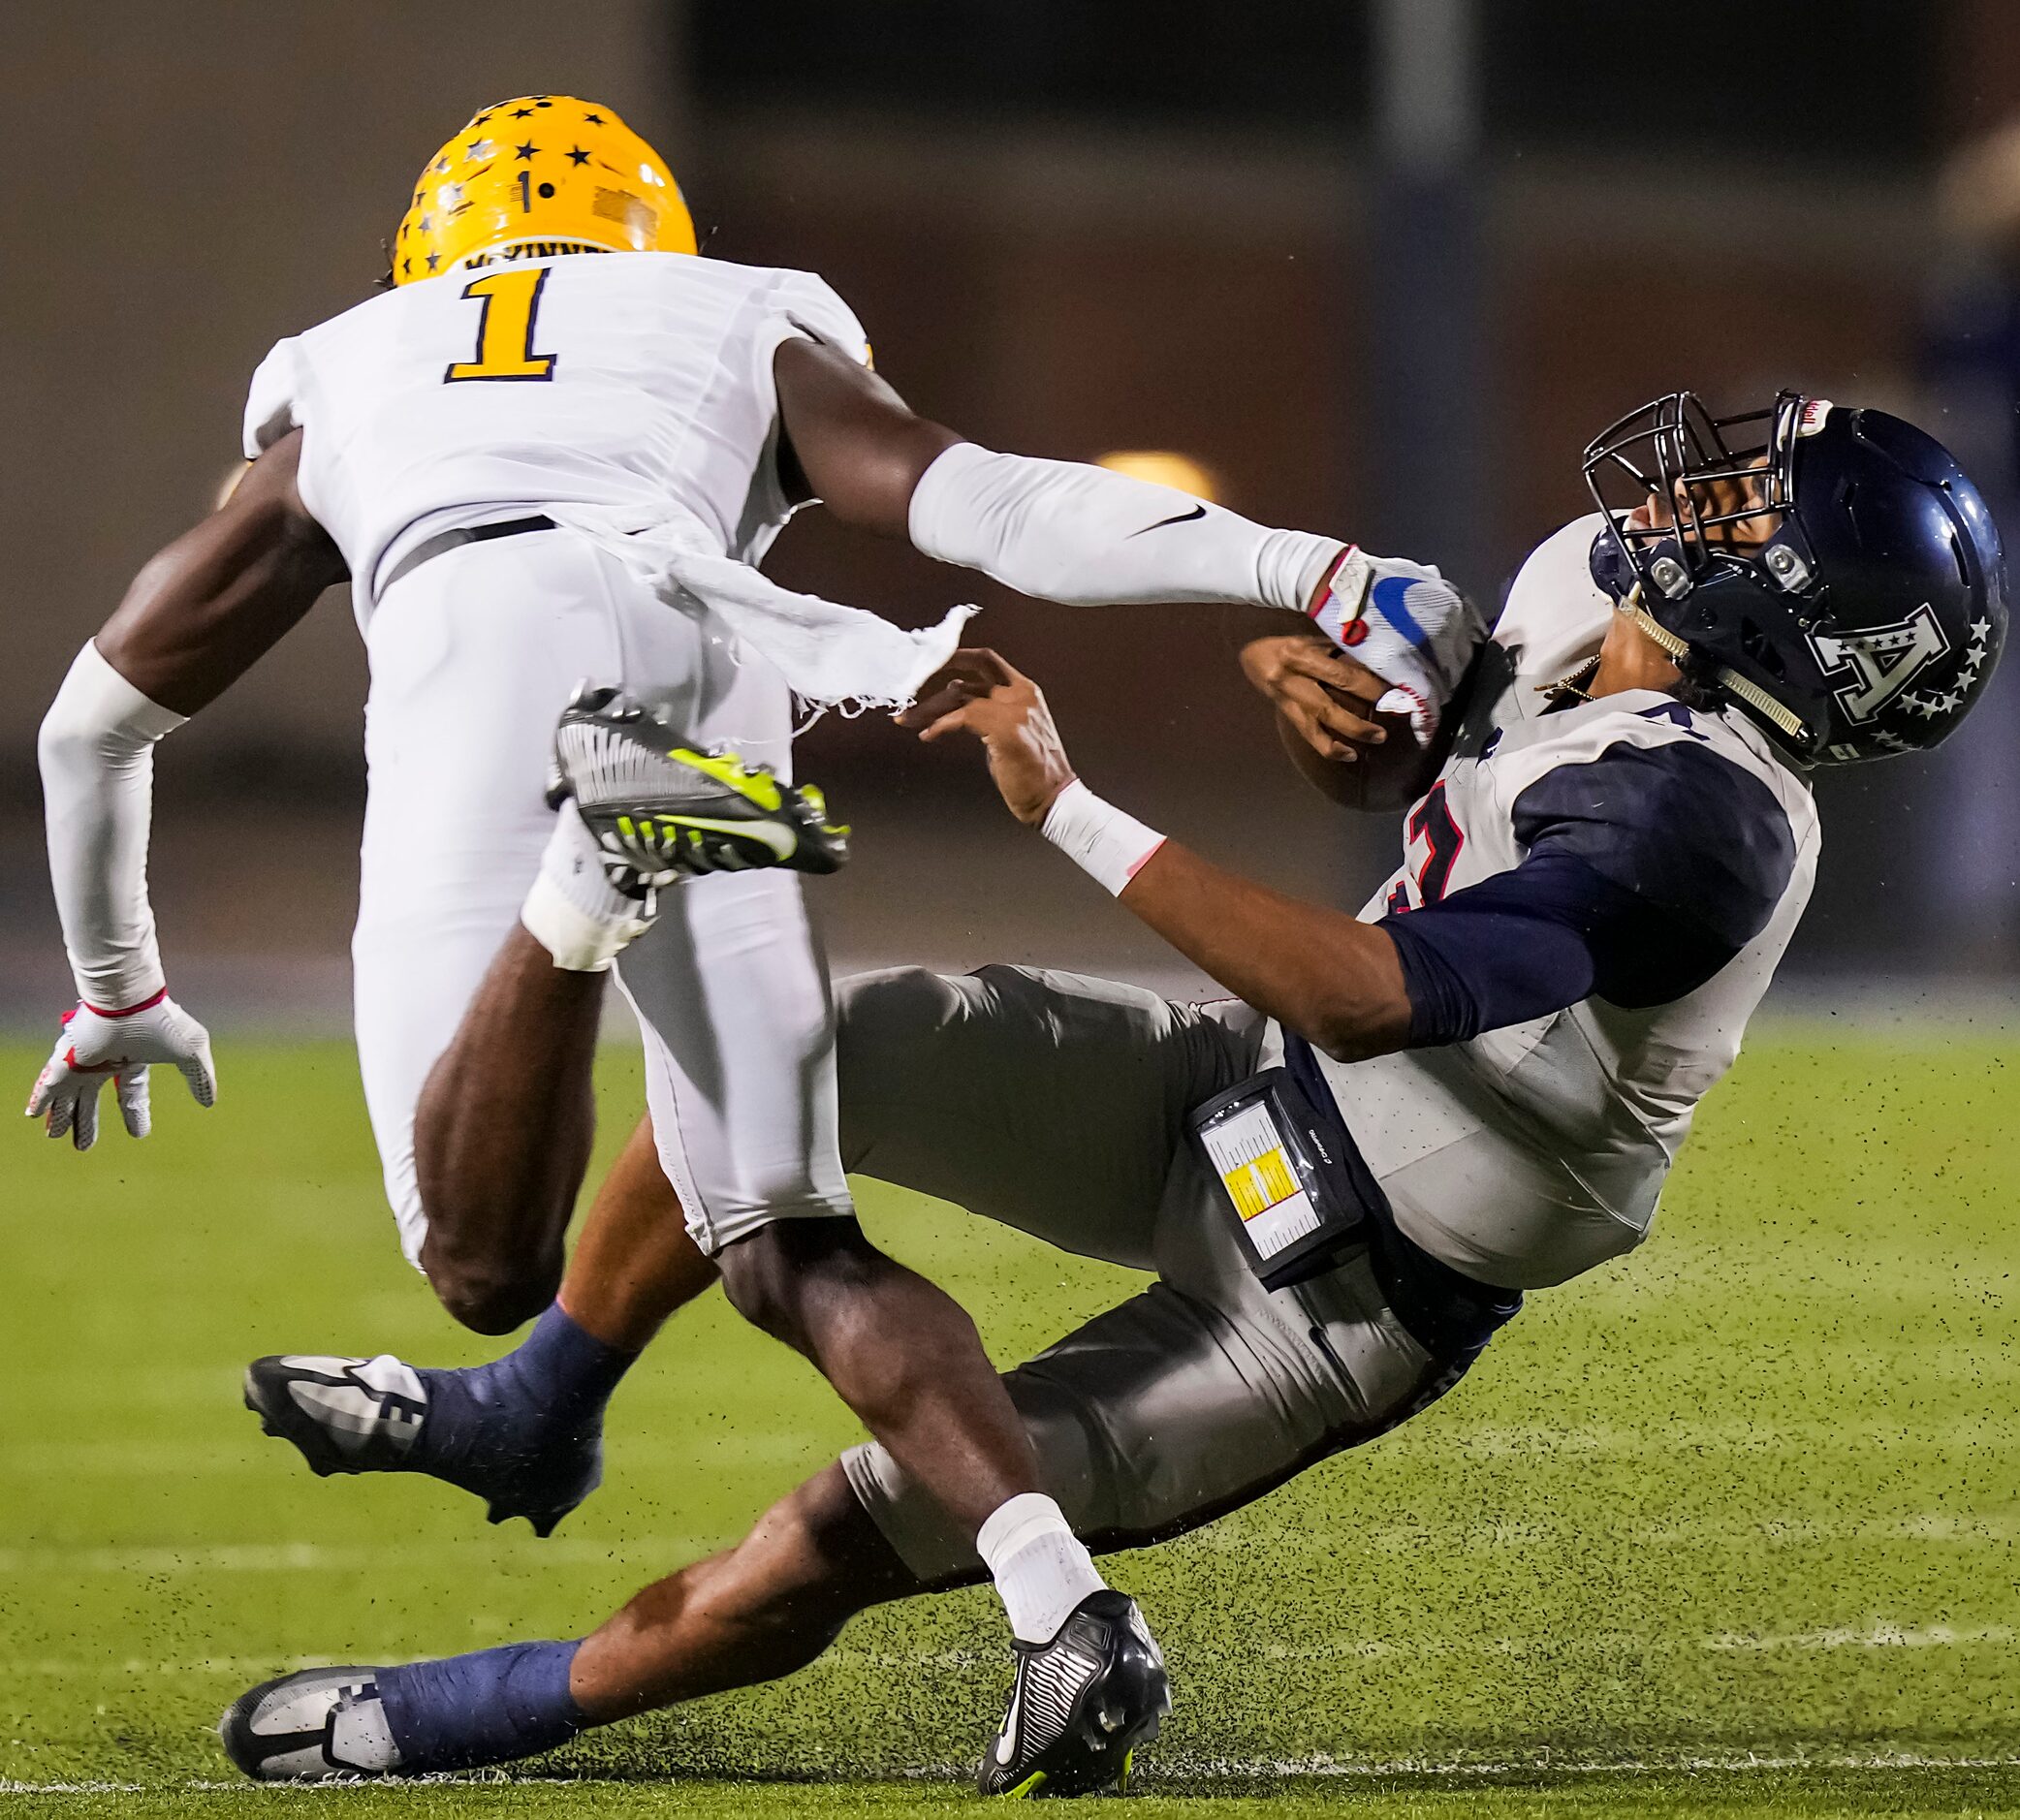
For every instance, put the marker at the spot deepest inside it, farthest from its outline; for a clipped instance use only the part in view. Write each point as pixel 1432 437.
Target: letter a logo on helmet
pixel 1882 661
pixel 536 177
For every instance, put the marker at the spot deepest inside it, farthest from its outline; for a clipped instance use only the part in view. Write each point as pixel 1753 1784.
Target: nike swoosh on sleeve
pixel 1177 517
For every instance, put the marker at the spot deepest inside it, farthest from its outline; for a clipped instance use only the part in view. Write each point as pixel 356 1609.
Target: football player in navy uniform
pixel 1345 1178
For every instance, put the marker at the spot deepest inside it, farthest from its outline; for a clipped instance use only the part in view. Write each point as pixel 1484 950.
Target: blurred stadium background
pixel 1377 268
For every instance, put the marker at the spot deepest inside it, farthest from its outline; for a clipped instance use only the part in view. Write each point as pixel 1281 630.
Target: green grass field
pixel 1731 1525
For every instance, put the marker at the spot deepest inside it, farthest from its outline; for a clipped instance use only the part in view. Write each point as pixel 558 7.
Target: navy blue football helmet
pixel 1831 571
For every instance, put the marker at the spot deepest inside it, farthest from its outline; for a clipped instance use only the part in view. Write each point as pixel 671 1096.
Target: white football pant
pixel 473 657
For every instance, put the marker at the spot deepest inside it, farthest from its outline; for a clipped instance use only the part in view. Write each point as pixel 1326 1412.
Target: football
pixel 1380 779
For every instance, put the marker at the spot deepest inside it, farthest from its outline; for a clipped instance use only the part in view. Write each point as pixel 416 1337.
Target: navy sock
pixel 554 1384
pixel 490 1707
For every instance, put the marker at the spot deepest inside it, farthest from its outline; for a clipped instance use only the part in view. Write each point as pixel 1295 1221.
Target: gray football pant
pixel 1057 1105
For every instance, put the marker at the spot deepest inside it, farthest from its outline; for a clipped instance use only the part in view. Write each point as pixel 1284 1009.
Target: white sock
pixel 1042 1571
pixel 574 911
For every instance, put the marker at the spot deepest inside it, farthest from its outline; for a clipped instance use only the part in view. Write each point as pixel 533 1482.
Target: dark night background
pixel 1381 269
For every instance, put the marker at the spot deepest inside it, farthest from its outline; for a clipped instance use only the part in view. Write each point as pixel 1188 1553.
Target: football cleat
pixel 661 810
pixel 368 1415
pixel 1080 1705
pixel 321 1725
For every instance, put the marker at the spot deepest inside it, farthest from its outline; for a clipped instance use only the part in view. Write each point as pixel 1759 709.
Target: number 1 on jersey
pixel 511 301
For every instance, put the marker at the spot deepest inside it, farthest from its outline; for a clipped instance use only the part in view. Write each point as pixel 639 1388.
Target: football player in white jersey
pixel 537 464
pixel 1346 1178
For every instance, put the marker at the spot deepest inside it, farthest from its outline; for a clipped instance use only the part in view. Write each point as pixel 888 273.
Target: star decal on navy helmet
pixel 1929 705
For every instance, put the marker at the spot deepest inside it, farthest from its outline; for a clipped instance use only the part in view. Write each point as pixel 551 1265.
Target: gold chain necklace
pixel 1571 687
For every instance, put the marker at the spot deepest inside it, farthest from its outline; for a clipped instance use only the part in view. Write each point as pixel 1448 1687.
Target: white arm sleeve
pixel 1086 537
pixel 97 753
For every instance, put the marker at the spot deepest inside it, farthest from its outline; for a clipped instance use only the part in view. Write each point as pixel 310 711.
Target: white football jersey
pixel 1528 1153
pixel 638 385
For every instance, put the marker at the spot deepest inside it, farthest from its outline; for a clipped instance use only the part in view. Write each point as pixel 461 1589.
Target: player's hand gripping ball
pixel 1361 756
pixel 120 1046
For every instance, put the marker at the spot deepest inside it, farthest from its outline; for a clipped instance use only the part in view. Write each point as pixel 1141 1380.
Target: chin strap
pixel 1751 694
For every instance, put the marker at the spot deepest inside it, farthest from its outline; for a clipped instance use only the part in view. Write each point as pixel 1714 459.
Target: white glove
pixel 122 1044
pixel 1408 625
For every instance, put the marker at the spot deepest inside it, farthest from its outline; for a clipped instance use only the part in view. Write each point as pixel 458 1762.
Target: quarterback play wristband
pixel 1108 845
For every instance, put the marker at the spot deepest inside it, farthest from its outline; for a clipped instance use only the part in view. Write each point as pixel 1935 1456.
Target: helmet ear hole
pixel 1761 649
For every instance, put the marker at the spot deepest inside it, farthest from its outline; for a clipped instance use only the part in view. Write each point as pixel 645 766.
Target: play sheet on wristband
pixel 1248 1153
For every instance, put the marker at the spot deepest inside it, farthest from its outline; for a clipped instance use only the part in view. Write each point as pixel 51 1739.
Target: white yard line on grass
pixel 133 1458
pixel 1715 1761
pixel 1729 1762
pixel 1878 1636
pixel 1246 1531
pixel 292 1557
pixel 1945 1528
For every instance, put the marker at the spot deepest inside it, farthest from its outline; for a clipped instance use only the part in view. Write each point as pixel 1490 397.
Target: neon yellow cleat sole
pixel 660 809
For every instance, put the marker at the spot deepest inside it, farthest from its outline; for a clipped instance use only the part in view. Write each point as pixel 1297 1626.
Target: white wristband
pixel 1108 845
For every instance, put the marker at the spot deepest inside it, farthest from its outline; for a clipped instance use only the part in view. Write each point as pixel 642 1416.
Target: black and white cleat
pixel 345 1415
pixel 1080 1705
pixel 320 1725
pixel 661 810
pixel 373 1415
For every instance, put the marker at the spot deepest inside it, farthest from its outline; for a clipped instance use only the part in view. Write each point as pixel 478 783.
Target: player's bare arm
pixel 196 618
pixel 1334 981
pixel 850 441
pixel 225 592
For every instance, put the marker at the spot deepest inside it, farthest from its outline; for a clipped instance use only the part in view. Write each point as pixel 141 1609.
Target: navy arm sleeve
pixel 1648 868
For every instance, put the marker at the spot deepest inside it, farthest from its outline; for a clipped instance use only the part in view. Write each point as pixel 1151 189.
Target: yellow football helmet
pixel 536 177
